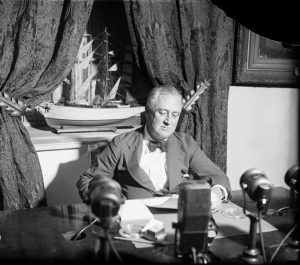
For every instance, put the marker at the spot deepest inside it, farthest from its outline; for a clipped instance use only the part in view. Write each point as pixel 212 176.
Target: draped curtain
pixel 184 42
pixel 39 41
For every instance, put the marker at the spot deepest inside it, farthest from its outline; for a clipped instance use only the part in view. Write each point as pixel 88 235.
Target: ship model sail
pixel 92 89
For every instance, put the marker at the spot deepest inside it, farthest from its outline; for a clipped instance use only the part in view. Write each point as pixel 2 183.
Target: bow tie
pixel 163 145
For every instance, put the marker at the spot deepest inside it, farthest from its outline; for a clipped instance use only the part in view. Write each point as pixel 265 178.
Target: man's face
pixel 163 119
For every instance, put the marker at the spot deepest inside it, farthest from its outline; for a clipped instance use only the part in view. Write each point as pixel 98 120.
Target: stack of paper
pixel 135 212
pixel 165 202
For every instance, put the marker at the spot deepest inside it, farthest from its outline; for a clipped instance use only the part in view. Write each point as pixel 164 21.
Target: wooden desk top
pixel 37 235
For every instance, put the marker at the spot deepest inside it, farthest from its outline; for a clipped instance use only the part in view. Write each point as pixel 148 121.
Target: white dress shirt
pixel 154 163
pixel 155 166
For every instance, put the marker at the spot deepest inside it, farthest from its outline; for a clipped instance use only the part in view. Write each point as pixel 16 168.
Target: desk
pixel 36 235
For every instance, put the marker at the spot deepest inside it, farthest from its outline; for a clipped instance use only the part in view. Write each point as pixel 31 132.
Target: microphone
pixel 292 176
pixel 105 197
pixel 256 184
pixel 289 253
pixel 194 223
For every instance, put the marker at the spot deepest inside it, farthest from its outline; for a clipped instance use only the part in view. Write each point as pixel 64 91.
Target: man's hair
pixel 160 90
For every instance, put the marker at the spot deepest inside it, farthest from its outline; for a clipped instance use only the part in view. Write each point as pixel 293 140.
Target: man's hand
pixel 216 201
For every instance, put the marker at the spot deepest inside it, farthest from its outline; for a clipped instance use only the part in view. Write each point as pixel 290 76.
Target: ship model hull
pixel 59 116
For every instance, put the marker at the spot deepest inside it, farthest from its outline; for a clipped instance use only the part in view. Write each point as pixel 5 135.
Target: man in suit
pixel 145 170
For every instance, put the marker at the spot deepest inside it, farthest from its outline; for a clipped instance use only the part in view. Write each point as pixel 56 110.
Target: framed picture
pixel 260 61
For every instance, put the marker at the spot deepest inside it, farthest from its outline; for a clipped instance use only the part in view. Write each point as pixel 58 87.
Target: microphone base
pixel 252 260
pixel 249 256
pixel 202 258
pixel 238 261
pixel 243 260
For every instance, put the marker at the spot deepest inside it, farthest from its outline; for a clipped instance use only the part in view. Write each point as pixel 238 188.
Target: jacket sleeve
pixel 203 167
pixel 106 163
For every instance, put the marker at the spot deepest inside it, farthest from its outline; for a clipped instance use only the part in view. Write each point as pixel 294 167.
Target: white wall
pixel 262 132
pixel 61 170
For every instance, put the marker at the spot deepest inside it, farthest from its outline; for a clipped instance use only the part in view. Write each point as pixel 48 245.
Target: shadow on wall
pixel 62 189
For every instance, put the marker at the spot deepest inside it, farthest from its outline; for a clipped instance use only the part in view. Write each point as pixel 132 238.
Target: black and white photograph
pixel 149 132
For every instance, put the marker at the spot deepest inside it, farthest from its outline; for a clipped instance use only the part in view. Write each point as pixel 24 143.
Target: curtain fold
pixel 184 42
pixel 39 41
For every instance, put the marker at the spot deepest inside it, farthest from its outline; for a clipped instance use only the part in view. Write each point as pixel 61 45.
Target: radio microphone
pixel 288 253
pixel 255 183
pixel 292 176
pixel 194 217
pixel 105 198
pixel 292 179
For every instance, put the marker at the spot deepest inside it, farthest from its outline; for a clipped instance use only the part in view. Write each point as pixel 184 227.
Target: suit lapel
pixel 175 156
pixel 132 154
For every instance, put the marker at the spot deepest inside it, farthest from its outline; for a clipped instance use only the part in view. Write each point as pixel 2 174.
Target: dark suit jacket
pixel 120 161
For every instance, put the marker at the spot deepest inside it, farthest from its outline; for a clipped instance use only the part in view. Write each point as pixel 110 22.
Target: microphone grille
pixel 292 175
pixel 105 197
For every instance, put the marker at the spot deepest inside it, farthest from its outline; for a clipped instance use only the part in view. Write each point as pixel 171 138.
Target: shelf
pixel 44 139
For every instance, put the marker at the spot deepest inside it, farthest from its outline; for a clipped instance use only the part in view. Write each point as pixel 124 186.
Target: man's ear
pixel 145 114
pixel 147 111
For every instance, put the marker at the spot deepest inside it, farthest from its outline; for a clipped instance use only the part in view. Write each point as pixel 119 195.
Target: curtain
pixel 184 42
pixel 39 41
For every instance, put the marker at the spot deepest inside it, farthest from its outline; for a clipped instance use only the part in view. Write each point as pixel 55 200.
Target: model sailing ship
pixel 93 88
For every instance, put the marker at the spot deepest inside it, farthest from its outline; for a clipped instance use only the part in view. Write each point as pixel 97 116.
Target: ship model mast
pixel 92 78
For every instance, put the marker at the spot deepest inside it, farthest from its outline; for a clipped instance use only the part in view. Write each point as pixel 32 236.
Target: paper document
pixel 165 202
pixel 135 212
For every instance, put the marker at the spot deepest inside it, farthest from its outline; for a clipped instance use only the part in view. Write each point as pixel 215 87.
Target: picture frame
pixel 259 61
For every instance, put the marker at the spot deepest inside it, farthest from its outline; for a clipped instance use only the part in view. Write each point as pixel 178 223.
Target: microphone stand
pixel 103 249
pixel 294 239
pixel 105 199
pixel 290 251
pixel 251 254
pixel 194 256
pixel 292 205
